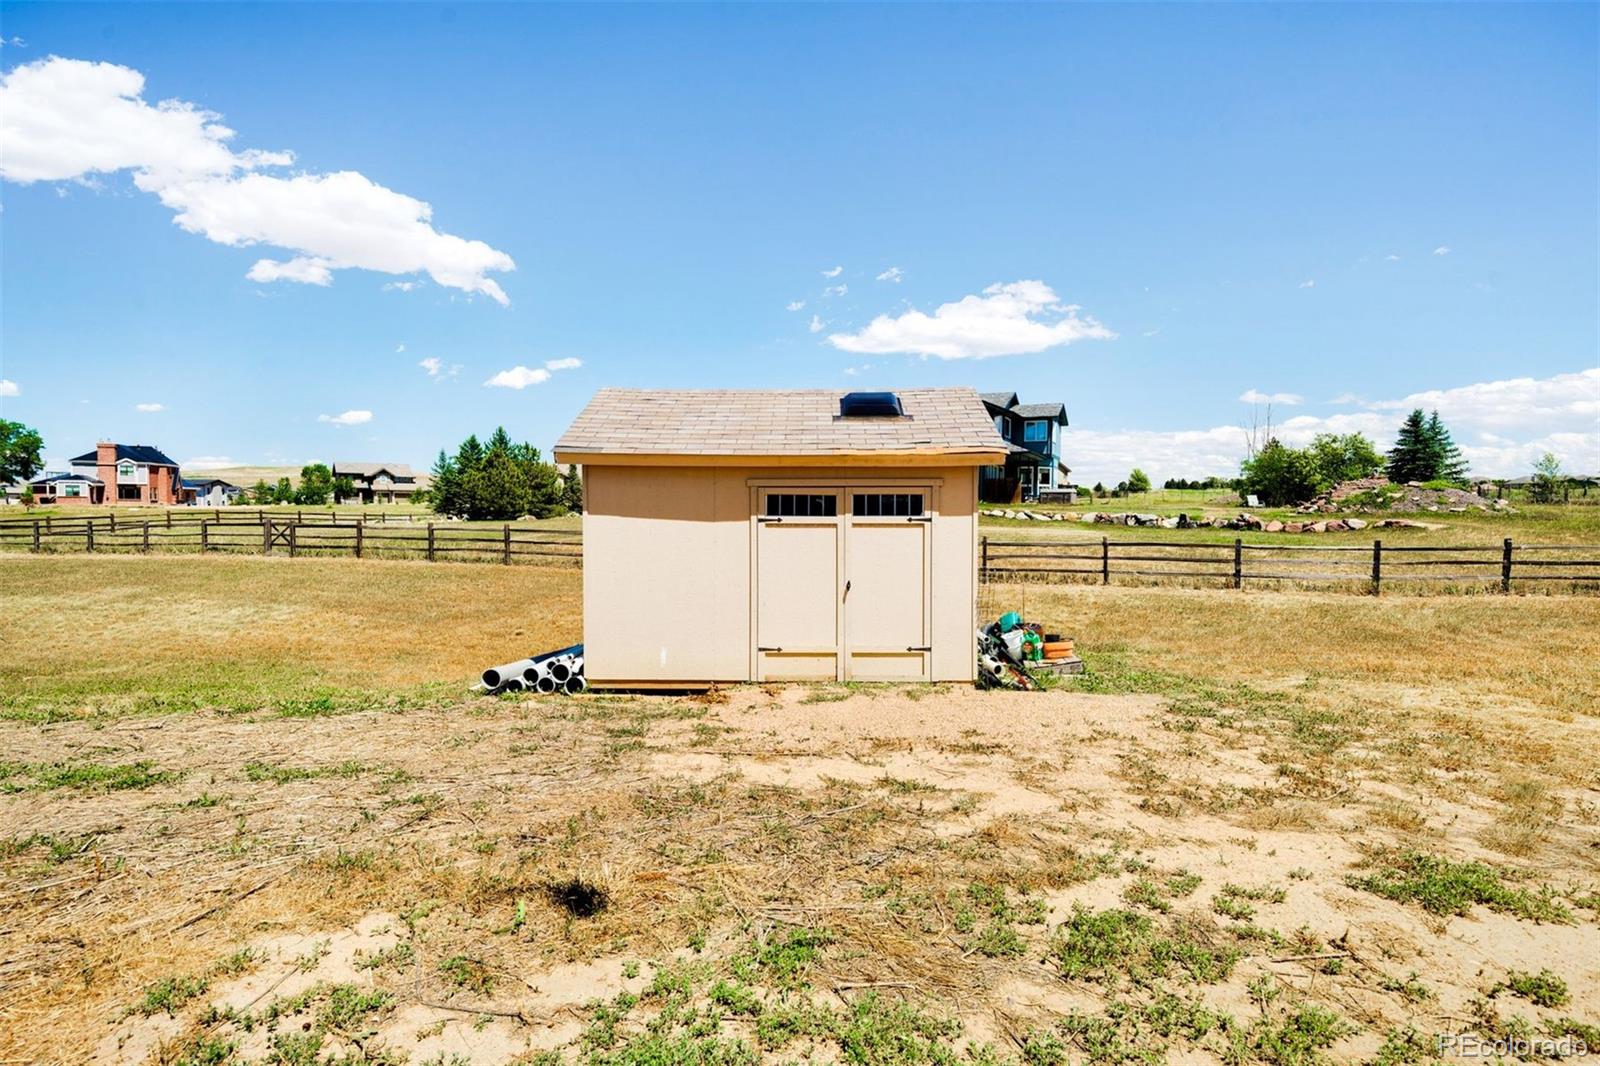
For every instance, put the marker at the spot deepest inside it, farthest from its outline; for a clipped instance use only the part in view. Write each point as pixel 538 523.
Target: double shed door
pixel 843 583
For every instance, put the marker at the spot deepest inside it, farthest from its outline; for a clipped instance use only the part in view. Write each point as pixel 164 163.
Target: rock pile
pixel 1183 521
pixel 1368 494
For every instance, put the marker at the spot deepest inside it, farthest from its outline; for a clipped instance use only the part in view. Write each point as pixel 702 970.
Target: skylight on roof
pixel 870 405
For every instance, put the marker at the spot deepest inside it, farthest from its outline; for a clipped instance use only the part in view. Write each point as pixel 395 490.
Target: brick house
pixel 130 474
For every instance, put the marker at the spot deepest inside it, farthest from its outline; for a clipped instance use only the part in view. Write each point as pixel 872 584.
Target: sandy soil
pixel 324 844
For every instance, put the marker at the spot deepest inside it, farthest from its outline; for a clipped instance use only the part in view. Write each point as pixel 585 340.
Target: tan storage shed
pixel 769 535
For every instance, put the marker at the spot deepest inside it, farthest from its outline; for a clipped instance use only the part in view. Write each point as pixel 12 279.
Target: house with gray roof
pixel 1035 468
pixel 381 482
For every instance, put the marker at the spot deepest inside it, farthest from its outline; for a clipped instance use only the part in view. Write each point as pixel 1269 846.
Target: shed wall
pixel 667 568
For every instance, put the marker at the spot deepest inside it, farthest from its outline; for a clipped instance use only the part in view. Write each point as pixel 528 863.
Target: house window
pixel 129 492
pixel 1046 477
pixel 991 471
pixel 70 490
pixel 801 505
pixel 1000 426
pixel 1036 430
pixel 886 504
pixel 125 471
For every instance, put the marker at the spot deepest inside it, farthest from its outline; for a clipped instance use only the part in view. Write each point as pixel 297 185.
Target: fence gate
pixel 275 535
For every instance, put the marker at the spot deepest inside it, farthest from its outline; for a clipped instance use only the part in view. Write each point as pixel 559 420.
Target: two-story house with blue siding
pixel 1035 466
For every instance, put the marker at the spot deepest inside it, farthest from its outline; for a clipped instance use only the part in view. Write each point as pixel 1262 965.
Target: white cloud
pixel 520 377
pixel 1391 258
pixel 1151 333
pixel 401 286
pixel 431 365
pixel 1309 283
pixel 894 274
pixel 208 462
pixel 149 408
pixel 9 388
pixel 306 270
pixel 1007 319
pixel 1255 396
pixel 835 290
pixel 67 120
pixel 835 272
pixel 12 42
pixel 852 371
pixel 1443 249
pixel 348 418
pixel 794 305
pixel 399 348
pixel 817 325
pixel 1502 427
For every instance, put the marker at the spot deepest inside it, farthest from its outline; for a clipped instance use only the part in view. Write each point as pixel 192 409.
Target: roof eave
pixel 873 457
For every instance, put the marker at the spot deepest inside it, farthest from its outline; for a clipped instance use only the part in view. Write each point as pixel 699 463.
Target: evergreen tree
pixel 1448 465
pixel 572 491
pixel 283 493
pixel 498 489
pixel 1138 481
pixel 1411 458
pixel 261 494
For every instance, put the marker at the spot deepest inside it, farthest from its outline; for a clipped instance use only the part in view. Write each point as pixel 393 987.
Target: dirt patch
pixel 497 878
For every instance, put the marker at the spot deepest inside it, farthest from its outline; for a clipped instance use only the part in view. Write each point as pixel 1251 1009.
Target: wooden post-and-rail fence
pixel 295 534
pixel 1240 565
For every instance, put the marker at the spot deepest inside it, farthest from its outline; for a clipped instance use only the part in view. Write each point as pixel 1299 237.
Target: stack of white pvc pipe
pixel 555 671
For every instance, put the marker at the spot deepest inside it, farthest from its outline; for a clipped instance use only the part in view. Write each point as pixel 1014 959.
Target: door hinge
pixel 769 520
pixel 921 518
pixel 927 648
pixel 759 648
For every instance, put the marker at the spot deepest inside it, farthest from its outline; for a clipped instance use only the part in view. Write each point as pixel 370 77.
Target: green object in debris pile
pixel 1032 646
pixel 1009 621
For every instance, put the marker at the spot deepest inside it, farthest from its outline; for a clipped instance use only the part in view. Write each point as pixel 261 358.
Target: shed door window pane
pixel 802 505
pixel 886 504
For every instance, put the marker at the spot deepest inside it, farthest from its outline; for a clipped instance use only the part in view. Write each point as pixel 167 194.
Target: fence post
pixel 983 561
pixel 1238 562
pixel 88 536
pixel 266 535
pixel 294 528
pixel 1377 566
pixel 169 518
pixel 1105 560
pixel 430 542
pixel 205 536
pixel 112 515
pixel 144 547
pixel 1505 567
pixel 361 528
pixel 508 544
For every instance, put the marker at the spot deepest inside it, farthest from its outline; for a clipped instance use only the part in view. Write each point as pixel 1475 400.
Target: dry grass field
pixel 249 813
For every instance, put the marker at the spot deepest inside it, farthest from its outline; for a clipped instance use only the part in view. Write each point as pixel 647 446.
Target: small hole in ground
pixel 577 897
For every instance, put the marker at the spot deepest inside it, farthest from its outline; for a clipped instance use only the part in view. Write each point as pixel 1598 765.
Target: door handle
pixel 927 648
pixel 847 588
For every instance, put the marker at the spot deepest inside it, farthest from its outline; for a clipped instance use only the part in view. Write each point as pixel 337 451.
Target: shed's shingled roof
pixel 777 422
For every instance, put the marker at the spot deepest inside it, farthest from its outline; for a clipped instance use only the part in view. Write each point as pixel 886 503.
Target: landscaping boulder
pixel 1273 526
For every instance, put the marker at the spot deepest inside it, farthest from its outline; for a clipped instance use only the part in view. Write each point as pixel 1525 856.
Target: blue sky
pixel 1350 208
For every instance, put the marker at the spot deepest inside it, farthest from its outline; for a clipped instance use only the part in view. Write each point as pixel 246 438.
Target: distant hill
pixel 246 476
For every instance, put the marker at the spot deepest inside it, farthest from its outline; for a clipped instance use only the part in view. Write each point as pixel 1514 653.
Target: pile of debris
pixel 1242 520
pixel 1368 494
pixel 1012 653
pixel 554 671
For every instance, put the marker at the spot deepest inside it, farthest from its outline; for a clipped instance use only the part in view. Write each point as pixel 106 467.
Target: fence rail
pixel 269 533
pixel 1241 565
